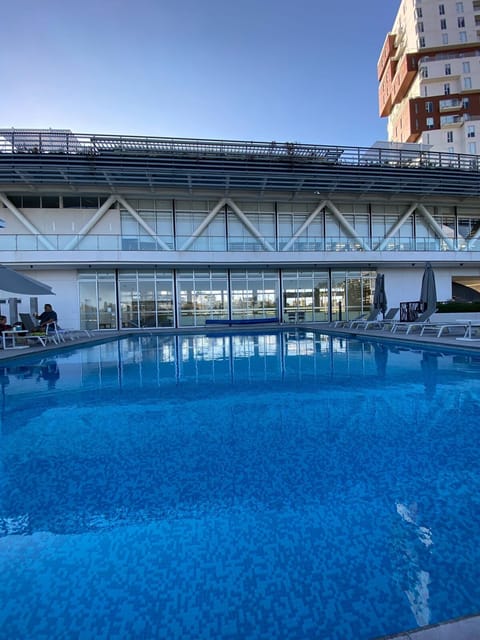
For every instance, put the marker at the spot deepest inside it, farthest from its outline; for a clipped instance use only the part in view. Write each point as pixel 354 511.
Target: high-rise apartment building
pixel 429 74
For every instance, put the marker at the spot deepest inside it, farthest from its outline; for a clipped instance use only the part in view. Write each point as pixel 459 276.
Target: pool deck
pixel 466 628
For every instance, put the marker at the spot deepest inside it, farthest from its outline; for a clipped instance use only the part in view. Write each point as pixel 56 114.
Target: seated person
pixel 47 317
pixel 4 326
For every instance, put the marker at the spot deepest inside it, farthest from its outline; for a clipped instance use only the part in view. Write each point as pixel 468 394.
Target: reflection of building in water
pixel 414 543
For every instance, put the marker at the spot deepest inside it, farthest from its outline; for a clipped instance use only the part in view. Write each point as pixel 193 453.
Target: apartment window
pixel 421 42
pixel 466 103
pixel 471 131
pixel 463 36
pixel 467 82
pixel 446 88
pixel 429 106
pixel 459 7
pixel 466 67
pixel 448 70
pixel 419 12
pixel 424 72
pixel 449 136
pixel 472 148
pixel 444 38
pixel 441 9
pixel 420 27
pixel 461 22
pixel 430 123
pixel 443 24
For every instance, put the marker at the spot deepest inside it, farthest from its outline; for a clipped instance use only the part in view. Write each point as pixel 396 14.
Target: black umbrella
pixel 379 296
pixel 15 282
pixel 428 293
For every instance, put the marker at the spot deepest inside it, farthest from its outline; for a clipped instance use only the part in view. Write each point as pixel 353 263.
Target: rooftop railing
pixel 63 142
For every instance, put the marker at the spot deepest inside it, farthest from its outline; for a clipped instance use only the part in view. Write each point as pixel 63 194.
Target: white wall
pixel 404 285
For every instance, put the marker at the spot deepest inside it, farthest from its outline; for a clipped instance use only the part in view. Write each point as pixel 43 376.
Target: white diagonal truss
pixel 91 223
pixel 203 225
pixel 249 226
pixel 143 224
pixel 26 223
pixel 347 226
pixel 435 226
pixel 399 223
pixel 305 225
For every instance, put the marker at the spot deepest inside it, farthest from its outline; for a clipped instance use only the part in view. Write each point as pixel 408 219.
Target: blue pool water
pixel 261 486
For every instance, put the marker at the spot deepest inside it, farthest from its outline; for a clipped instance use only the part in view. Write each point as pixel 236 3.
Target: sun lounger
pixel 411 327
pixel 379 324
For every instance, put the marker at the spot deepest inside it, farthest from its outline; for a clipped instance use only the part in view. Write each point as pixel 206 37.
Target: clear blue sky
pixel 301 71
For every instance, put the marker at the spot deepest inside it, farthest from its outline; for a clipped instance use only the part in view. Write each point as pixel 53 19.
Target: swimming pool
pixel 276 485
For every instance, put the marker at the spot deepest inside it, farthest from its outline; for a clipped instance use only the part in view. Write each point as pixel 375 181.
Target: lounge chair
pixel 35 333
pixel 379 324
pixel 343 323
pixel 371 317
pixel 53 333
pixel 411 327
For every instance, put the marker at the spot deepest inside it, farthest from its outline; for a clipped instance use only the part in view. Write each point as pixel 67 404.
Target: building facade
pixel 154 232
pixel 429 75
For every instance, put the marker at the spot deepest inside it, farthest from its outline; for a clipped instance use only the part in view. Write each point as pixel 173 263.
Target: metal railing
pixel 63 142
pixel 73 242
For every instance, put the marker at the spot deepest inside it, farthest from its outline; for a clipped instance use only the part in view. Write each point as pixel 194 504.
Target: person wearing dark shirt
pixel 47 317
pixel 4 326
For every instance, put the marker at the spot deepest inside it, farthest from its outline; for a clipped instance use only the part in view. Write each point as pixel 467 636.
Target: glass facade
pixel 149 298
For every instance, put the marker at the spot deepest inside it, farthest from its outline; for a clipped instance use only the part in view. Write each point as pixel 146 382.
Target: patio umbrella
pixel 15 282
pixel 379 296
pixel 428 293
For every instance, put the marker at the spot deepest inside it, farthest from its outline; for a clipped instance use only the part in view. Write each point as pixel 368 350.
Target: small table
pixel 11 336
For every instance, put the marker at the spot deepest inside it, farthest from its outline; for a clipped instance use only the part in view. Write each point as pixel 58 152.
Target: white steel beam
pixel 203 225
pixel 304 226
pixel 346 225
pixel 399 223
pixel 126 205
pixel 246 222
pixel 91 223
pixel 435 226
pixel 26 223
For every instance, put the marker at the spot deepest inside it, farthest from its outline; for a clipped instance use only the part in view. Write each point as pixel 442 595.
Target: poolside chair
pixel 371 317
pixel 379 324
pixel 35 333
pixel 53 332
pixel 410 327
pixel 344 323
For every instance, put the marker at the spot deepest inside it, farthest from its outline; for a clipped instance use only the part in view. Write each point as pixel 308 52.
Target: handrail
pixel 282 245
pixel 66 142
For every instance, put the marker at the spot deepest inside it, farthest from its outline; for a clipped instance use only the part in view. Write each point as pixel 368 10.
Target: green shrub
pixel 458 307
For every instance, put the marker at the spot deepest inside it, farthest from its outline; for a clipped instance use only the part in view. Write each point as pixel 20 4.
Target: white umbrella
pixel 15 282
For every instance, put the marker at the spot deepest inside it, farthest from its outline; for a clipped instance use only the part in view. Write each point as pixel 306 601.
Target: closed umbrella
pixel 428 293
pixel 379 296
pixel 15 282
